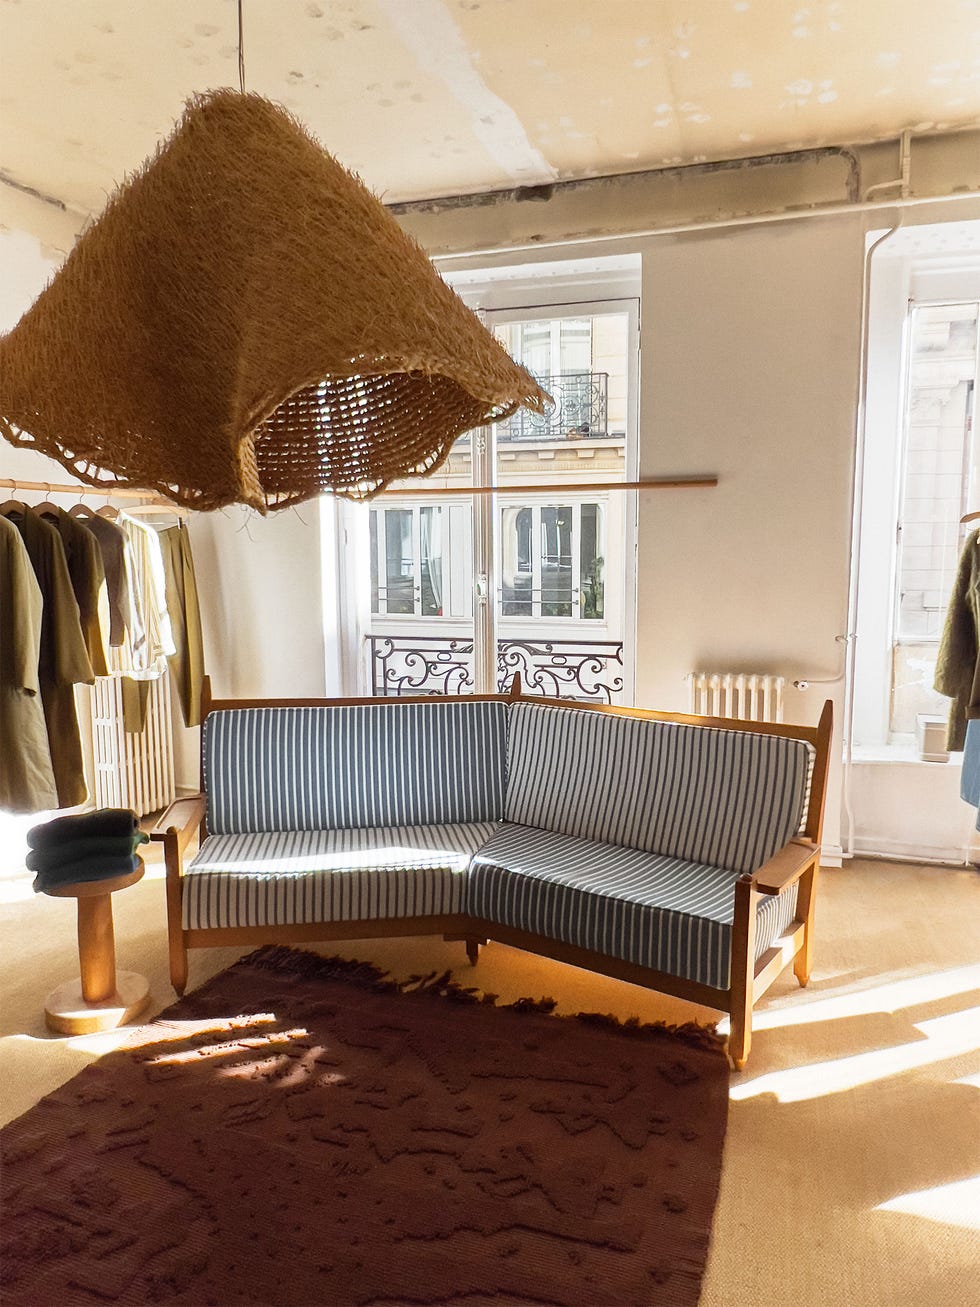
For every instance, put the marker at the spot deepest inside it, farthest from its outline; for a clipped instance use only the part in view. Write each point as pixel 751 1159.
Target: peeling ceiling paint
pixel 435 97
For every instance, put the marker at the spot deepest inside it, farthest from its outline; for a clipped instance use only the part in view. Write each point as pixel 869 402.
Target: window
pixel 442 590
pixel 920 472
pixel 406 561
pixel 939 467
pixel 551 560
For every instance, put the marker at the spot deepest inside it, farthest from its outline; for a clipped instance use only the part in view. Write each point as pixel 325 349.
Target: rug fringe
pixel 366 975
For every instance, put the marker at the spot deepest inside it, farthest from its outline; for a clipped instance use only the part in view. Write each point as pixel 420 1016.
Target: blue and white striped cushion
pixel 285 878
pixel 703 794
pixel 661 912
pixel 347 766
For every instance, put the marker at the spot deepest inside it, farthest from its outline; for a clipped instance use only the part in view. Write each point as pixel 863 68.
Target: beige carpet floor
pixel 850 1175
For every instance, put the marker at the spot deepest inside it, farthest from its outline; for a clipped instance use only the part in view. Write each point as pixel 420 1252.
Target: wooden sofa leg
pixel 473 949
pixel 175 930
pixel 740 1039
pixel 804 912
pixel 743 972
pixel 178 967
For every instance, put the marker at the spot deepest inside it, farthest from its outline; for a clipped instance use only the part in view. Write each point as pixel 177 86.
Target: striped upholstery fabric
pixel 702 794
pixel 347 766
pixel 290 877
pixel 655 910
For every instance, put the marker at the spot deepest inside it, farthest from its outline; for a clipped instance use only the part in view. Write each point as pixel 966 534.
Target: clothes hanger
pixel 149 510
pixel 12 506
pixel 108 511
pixel 46 509
pixel 969 517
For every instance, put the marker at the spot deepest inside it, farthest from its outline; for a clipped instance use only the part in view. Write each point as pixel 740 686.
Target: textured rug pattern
pixel 302 1131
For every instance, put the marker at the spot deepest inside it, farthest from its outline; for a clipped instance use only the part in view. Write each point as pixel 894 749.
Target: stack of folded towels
pixel 96 845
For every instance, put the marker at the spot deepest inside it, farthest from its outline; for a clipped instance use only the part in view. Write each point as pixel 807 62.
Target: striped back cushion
pixel 349 766
pixel 722 797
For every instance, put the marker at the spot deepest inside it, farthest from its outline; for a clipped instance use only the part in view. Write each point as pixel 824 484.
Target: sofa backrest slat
pixel 729 798
pixel 348 766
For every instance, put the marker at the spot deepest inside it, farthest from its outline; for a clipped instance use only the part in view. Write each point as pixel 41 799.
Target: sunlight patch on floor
pixel 943 1037
pixel 909 992
pixel 949 1204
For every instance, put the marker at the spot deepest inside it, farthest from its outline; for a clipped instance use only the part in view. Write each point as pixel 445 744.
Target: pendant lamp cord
pixel 241 49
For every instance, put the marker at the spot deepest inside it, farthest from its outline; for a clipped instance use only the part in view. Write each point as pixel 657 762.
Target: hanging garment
pixel 187 662
pixel 87 572
pixel 970 775
pixel 117 560
pixel 143 655
pixel 958 663
pixel 26 775
pixel 63 662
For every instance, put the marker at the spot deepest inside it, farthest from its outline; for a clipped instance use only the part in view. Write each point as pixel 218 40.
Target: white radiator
pixel 742 695
pixel 132 771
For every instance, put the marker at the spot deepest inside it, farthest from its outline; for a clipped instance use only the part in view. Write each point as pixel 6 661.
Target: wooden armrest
pixel 183 817
pixel 785 867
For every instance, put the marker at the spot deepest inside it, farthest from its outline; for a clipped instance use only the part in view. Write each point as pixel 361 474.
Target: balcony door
pixel 466 589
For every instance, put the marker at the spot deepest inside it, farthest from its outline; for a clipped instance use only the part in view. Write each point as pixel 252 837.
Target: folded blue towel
pixel 109 846
pixel 85 869
pixel 88 825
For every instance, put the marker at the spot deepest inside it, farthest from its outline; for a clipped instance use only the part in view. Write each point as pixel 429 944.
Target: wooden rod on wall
pixel 428 492
pixel 556 487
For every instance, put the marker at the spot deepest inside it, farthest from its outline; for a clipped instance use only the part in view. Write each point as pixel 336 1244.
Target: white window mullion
pixel 381 520
pixel 417 561
pixel 536 552
pixel 576 547
pixel 485 572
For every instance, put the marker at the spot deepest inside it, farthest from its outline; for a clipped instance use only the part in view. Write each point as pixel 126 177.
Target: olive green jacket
pixel 958 664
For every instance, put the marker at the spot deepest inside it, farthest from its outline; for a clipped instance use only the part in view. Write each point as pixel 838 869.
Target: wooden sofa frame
pixel 797 862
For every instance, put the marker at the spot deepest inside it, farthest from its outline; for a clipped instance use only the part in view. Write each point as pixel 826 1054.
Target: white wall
pixel 261 601
pixel 749 370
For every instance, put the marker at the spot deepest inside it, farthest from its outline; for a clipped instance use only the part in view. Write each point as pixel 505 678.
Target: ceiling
pixel 427 98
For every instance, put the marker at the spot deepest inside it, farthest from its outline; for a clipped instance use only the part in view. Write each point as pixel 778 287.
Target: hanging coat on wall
pixel 26 776
pixel 187 662
pixel 143 655
pixel 87 572
pixel 117 559
pixel 63 661
pixel 958 662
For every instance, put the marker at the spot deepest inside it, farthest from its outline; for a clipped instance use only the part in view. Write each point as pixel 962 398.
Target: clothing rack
pixel 151 502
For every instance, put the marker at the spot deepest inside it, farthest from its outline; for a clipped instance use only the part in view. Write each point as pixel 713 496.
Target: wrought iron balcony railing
pixel 580 411
pixel 587 670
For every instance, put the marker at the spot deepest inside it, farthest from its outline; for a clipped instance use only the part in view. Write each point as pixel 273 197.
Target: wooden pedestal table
pixel 101 998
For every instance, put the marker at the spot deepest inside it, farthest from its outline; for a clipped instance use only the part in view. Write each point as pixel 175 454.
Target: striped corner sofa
pixel 676 852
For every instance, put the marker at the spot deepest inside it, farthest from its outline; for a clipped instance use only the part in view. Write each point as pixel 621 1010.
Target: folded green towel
pixel 85 869
pixel 107 846
pixel 88 825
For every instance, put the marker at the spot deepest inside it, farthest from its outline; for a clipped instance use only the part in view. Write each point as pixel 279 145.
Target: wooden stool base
pixel 68 1012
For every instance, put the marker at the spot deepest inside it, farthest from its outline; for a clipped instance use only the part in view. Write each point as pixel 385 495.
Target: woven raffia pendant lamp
pixel 246 323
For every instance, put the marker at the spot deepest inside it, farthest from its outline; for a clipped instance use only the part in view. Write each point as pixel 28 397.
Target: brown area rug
pixel 302 1131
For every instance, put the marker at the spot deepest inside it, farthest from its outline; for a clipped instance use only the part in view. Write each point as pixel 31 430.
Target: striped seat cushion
pixel 292 877
pixel 354 765
pixel 652 909
pixel 702 794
